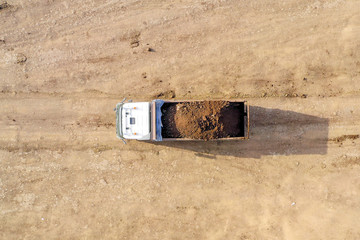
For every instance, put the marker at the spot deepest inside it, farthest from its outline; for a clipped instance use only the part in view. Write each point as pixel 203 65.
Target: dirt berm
pixel 200 120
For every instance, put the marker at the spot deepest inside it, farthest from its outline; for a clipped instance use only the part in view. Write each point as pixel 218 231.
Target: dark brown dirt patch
pixel 166 94
pixel 169 129
pixel 4 5
pixel 231 118
pixel 20 58
pixel 201 120
pixel 345 137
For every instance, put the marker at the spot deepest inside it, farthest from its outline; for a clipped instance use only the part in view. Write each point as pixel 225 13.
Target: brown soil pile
pixel 201 120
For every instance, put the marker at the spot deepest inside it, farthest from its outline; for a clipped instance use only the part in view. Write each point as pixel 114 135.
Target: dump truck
pixel 161 120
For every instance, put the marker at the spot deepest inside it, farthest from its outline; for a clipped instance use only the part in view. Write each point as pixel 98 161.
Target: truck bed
pixel 235 120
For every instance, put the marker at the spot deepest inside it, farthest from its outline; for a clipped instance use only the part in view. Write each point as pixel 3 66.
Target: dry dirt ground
pixel 65 64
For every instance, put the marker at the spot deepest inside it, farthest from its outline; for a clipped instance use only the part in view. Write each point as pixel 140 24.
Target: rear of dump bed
pixel 157 126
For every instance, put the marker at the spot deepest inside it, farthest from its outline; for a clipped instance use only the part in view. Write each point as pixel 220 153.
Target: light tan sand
pixel 65 64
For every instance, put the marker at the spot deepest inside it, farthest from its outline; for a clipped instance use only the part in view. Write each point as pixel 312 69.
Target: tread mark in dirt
pixel 344 137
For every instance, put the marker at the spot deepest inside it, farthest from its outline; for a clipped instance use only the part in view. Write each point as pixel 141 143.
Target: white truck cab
pixel 133 120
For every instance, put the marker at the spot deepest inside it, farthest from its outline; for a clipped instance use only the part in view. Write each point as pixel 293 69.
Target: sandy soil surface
pixel 65 64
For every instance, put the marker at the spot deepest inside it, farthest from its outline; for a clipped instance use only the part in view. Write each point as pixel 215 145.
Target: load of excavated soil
pixel 200 120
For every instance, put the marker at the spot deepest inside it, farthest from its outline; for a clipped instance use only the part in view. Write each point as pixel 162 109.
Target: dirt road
pixel 65 64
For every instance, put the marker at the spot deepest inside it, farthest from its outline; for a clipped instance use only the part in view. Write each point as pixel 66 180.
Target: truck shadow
pixel 272 132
